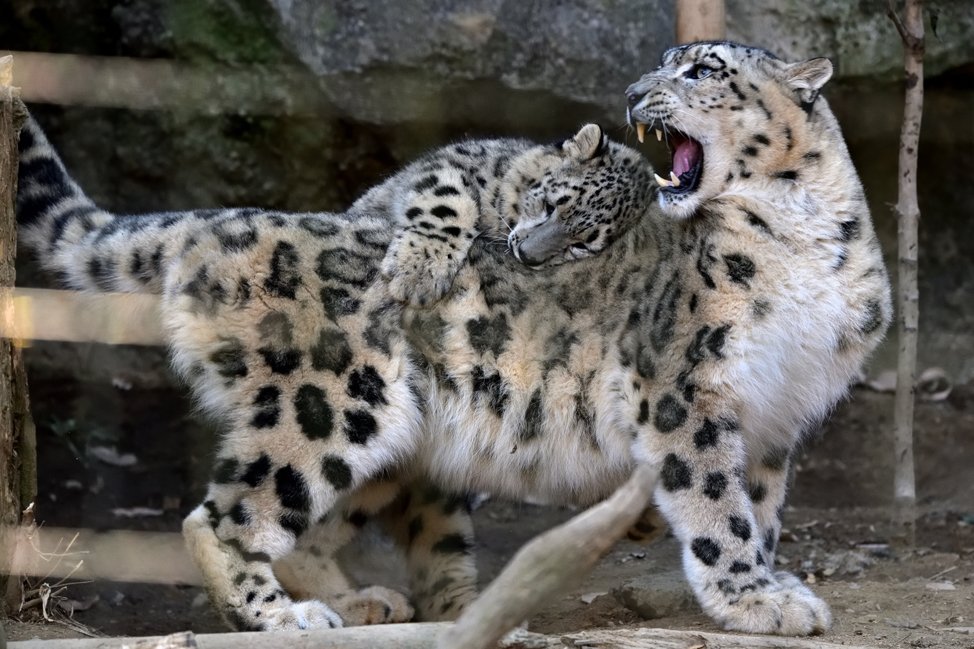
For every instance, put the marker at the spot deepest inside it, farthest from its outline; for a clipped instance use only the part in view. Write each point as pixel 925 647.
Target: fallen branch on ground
pixel 550 564
pixel 425 636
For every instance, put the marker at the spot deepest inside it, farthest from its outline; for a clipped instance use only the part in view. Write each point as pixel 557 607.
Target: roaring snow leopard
pixel 548 204
pixel 702 344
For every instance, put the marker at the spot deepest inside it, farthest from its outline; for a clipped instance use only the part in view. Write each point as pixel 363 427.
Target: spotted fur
pixel 548 205
pixel 785 294
pixel 302 297
pixel 702 345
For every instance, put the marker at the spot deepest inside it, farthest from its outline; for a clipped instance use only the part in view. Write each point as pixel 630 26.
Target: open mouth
pixel 686 158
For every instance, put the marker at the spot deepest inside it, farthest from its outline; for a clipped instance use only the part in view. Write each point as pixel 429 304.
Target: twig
pixel 44 595
pixel 908 215
pixel 548 564
pixel 942 572
pixel 891 12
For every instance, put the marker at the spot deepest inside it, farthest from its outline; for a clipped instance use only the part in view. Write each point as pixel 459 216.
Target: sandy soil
pixel 837 532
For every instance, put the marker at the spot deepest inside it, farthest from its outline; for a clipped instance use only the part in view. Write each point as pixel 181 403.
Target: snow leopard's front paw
pixel 417 276
pixel 787 607
pixel 294 616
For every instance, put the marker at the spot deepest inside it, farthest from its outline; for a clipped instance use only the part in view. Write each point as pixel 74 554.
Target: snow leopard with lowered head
pixel 552 208
pixel 551 203
pixel 702 344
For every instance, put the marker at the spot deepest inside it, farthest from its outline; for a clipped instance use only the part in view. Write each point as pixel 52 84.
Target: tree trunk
pixel 18 465
pixel 908 216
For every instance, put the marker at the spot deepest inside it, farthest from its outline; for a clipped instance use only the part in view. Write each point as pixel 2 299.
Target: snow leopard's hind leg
pixel 435 530
pixel 313 407
pixel 259 505
pixel 312 572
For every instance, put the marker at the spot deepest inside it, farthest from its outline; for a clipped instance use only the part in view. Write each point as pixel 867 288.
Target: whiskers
pixel 675 116
pixel 495 243
pixel 507 225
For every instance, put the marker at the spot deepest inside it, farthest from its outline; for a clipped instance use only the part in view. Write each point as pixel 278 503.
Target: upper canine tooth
pixel 662 182
pixel 659 135
pixel 674 179
pixel 640 131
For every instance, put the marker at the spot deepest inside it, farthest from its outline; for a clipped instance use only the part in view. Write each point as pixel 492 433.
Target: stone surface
pixel 856 34
pixel 389 60
pixel 387 80
pixel 662 594
pixel 661 589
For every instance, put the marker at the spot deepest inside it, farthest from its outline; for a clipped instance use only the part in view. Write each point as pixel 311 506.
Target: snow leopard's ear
pixel 588 143
pixel 806 78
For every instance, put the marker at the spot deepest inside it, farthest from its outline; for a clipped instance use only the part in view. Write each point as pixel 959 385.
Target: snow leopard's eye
pixel 699 72
pixel 549 208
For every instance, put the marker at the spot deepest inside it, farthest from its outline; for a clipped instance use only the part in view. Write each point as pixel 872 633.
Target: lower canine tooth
pixel 674 179
pixel 659 135
pixel 662 182
pixel 640 131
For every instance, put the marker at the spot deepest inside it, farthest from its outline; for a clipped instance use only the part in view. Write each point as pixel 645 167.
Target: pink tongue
pixel 686 156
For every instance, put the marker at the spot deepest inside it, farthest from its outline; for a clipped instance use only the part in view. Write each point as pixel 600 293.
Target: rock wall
pixel 391 78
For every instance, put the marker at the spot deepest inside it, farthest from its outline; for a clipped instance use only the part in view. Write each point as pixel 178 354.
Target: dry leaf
pixel 588 598
pixel 109 455
pixel 884 382
pixel 135 512
pixel 71 606
pixel 933 384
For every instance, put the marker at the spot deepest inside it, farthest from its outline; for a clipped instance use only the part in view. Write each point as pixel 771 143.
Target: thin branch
pixel 908 215
pixel 900 27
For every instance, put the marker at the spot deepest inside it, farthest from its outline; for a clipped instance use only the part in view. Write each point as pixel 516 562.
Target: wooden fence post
pixel 700 20
pixel 18 458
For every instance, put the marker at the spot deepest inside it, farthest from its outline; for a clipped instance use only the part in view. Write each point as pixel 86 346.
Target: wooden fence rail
pixel 154 84
pixel 112 318
pixel 426 636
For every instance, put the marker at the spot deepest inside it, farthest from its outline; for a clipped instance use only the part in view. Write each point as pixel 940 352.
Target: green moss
pixel 228 31
pixel 327 21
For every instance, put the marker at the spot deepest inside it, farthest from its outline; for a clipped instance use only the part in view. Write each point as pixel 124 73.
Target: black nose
pixel 633 98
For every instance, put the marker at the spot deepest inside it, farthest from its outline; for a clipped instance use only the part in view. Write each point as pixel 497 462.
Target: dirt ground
pixel 837 533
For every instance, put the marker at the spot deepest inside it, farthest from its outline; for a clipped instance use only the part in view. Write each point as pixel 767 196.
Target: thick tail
pixel 87 247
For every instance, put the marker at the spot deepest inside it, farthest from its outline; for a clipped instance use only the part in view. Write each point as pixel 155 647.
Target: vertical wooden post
pixel 908 216
pixel 18 463
pixel 700 20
